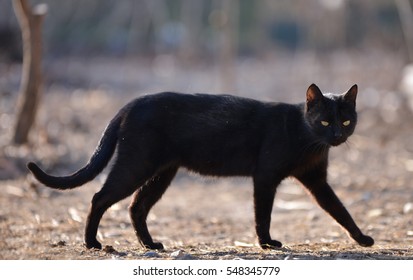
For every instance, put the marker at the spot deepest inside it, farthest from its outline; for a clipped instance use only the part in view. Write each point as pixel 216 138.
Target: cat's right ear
pixel 314 94
pixel 351 95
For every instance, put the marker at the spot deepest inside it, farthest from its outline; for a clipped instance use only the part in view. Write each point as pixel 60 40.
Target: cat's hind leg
pixel 120 183
pixel 144 198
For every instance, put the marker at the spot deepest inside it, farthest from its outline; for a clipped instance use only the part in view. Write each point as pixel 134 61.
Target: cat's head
pixel 332 117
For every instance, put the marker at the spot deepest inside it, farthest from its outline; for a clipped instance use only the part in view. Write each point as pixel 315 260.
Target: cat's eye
pixel 346 123
pixel 325 123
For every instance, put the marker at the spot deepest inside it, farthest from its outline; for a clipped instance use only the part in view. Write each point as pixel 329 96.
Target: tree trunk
pixel 406 17
pixel 229 45
pixel 191 16
pixel 30 22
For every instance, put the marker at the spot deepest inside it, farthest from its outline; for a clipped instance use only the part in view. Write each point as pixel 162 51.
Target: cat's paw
pixel 93 244
pixel 270 244
pixel 365 241
pixel 154 246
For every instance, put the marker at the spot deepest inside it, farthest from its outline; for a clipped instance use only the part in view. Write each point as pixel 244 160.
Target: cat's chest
pixel 310 161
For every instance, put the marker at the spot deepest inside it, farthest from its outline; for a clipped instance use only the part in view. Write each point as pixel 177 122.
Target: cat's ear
pixel 314 94
pixel 351 95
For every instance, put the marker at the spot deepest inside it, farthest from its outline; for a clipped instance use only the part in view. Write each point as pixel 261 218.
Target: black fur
pixel 219 136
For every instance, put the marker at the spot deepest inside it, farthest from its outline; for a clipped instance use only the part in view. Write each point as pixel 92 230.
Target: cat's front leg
pixel 264 193
pixel 328 200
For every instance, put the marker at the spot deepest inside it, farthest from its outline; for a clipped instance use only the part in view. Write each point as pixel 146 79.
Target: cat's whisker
pixel 348 144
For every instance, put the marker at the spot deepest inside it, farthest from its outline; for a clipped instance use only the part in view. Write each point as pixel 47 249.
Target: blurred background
pixel 100 54
pixel 243 46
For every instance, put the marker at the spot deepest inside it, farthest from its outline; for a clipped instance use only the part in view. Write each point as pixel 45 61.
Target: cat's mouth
pixel 337 142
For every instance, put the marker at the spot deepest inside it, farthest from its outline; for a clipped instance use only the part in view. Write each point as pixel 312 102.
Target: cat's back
pixel 197 101
pixel 201 110
pixel 197 107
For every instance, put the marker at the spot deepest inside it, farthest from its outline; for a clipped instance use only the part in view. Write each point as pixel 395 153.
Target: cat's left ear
pixel 351 95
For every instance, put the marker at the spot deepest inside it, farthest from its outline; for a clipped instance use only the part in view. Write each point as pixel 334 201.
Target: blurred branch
pixel 22 10
pixel 406 16
pixel 229 43
pixel 30 21
pixel 191 16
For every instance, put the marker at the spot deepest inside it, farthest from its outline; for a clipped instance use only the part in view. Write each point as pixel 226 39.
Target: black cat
pixel 219 136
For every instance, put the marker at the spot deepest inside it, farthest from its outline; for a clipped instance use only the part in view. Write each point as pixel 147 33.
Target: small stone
pixel 375 212
pixel 243 244
pixel 181 255
pixel 177 254
pixel 60 243
pixel 151 254
pixel 109 249
pixel 409 165
pixel 187 257
pixel 74 214
pixel 407 208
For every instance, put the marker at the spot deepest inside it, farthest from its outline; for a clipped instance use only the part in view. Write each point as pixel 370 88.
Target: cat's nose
pixel 337 134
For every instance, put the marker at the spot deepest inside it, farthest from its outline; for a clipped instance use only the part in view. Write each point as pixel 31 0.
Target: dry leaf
pixel 74 214
pixel 243 244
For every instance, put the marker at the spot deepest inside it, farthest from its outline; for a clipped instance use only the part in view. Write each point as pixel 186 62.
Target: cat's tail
pixel 96 164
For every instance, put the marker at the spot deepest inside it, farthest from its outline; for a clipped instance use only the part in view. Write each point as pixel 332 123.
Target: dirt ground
pixel 211 218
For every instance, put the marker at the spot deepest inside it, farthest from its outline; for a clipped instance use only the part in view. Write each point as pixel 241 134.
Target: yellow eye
pixel 346 123
pixel 325 123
